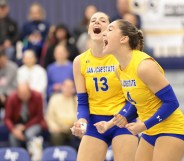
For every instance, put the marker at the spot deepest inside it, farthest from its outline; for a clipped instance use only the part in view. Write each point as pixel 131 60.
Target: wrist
pixel 82 120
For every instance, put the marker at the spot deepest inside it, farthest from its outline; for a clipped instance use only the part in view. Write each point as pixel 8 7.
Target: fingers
pixel 79 128
pixel 119 120
pixel 129 125
pixel 131 128
pixel 76 131
pixel 100 126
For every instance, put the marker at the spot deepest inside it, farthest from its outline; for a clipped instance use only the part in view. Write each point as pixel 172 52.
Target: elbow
pixel 176 104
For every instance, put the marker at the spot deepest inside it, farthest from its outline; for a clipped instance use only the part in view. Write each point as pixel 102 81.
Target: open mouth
pixel 105 42
pixel 97 30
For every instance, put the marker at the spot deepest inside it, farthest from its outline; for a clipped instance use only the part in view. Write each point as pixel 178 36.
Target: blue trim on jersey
pixel 109 134
pixel 152 138
pixel 83 106
pixel 170 104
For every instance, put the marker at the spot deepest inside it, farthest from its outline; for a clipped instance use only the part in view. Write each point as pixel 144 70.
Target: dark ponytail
pixel 140 45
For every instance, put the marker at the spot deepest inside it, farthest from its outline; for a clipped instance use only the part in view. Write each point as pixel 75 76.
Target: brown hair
pixel 136 40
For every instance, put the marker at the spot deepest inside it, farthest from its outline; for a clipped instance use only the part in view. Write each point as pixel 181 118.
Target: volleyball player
pixel 99 97
pixel 146 88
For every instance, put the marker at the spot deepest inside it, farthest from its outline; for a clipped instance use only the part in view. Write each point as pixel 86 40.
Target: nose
pixel 97 21
pixel 104 33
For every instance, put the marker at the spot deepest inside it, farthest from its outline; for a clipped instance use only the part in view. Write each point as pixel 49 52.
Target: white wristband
pixel 83 126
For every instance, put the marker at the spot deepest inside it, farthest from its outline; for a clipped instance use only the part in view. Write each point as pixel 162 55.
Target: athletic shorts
pixel 109 134
pixel 152 138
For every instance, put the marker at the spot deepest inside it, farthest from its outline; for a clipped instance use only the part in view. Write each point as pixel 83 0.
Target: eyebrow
pixel 110 26
pixel 100 18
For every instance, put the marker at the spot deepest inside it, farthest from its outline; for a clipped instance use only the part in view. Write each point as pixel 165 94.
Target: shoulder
pixel 56 96
pixel 51 67
pixel 13 96
pixel 39 67
pixel 149 71
pixel 35 94
pixel 27 24
pixel 12 21
pixel 146 66
pixel 69 63
pixel 22 68
pixel 12 65
pixel 76 61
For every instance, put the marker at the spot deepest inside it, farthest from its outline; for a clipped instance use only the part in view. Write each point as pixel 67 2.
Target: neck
pixel 97 48
pixel 123 55
pixel 61 62
pixel 29 66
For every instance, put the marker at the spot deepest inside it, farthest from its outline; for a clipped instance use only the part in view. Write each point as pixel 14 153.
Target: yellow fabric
pixel 103 87
pixel 145 100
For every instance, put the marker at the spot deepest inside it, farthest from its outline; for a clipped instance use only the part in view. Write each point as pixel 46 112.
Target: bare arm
pixel 149 73
pixel 81 88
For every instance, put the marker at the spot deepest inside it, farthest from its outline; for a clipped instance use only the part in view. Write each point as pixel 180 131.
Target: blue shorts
pixel 109 134
pixel 152 138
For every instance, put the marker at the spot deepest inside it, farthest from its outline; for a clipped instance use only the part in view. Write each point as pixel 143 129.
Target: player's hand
pixel 79 128
pixel 101 126
pixel 120 120
pixel 136 127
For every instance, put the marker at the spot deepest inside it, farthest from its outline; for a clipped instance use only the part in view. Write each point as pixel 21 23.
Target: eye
pixel 93 20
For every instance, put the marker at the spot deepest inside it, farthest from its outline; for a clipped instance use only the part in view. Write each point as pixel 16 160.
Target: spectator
pixel 48 42
pixel 59 71
pixel 36 22
pixel 61 35
pixel 35 30
pixel 24 115
pixel 82 27
pixel 130 17
pixel 32 73
pixel 34 42
pixel 61 114
pixel 80 32
pixel 8 74
pixel 83 42
pixel 123 7
pixel 8 31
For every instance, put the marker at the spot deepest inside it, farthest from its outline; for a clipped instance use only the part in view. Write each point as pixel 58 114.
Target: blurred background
pixel 38 43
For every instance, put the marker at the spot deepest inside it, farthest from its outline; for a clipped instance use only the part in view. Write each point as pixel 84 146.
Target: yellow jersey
pixel 137 93
pixel 103 87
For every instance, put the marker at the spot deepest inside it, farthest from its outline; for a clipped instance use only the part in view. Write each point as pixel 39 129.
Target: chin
pixel 106 51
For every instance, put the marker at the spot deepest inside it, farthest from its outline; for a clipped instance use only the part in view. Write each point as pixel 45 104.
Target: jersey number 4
pixel 129 98
pixel 103 81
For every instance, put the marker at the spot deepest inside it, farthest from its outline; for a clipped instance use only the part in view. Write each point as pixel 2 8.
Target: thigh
pixel 168 148
pixel 32 131
pixel 91 149
pixel 144 151
pixel 124 147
